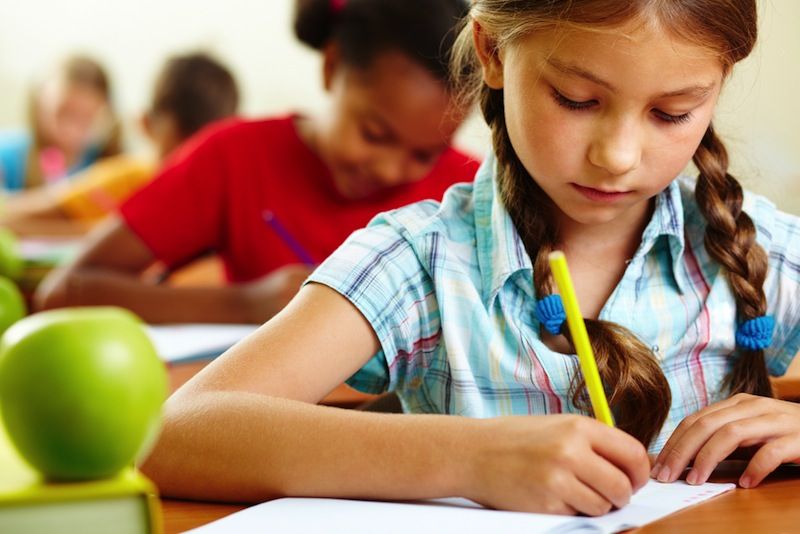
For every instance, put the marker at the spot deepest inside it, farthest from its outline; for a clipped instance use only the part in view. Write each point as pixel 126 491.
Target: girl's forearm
pixel 246 447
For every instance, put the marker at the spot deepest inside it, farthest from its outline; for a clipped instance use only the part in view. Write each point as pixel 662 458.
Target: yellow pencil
pixel 558 264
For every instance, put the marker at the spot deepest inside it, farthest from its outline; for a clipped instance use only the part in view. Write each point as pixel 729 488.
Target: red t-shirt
pixel 215 193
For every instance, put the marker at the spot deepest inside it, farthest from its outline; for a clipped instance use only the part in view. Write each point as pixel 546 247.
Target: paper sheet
pixel 186 342
pixel 456 516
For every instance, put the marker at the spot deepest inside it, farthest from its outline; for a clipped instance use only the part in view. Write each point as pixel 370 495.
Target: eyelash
pixel 370 136
pixel 565 102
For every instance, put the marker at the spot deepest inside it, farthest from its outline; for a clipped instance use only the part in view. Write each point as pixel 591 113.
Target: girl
pixel 273 197
pixel 595 108
pixel 72 124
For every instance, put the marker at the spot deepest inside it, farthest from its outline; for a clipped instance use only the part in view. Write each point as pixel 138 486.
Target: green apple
pixel 12 305
pixel 10 261
pixel 81 390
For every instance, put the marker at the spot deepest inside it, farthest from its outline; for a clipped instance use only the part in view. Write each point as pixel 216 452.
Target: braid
pixel 730 239
pixel 627 367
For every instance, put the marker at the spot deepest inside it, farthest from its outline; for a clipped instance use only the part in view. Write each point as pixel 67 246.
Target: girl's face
pixel 70 116
pixel 604 121
pixel 387 124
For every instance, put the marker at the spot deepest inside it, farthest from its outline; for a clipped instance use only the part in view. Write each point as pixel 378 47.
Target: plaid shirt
pixel 447 289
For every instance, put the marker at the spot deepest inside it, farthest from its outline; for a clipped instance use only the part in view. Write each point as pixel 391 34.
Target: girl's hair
pixel 80 71
pixel 421 29
pixel 629 370
pixel 195 90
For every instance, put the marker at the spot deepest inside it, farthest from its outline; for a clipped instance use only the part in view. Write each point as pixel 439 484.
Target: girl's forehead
pixel 645 55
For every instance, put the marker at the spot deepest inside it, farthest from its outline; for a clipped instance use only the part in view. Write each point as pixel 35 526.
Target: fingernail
pixel 654 470
pixel 663 475
pixel 691 478
pixel 745 482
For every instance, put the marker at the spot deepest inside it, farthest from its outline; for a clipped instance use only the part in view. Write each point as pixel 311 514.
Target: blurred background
pixel 759 115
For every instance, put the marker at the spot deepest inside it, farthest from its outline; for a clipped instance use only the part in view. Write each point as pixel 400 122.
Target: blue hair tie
pixel 550 312
pixel 755 334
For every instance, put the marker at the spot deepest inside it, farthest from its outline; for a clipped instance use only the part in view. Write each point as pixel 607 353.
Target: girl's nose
pixel 390 170
pixel 617 148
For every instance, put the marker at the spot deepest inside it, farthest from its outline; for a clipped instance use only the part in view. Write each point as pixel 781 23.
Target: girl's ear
pixel 489 56
pixel 330 62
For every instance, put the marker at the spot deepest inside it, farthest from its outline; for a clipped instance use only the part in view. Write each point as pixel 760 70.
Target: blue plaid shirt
pixel 447 289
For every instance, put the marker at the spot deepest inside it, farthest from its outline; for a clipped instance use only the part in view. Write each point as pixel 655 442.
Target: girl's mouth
pixel 599 195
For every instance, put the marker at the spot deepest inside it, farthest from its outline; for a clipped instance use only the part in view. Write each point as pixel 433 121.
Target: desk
pixel 772 507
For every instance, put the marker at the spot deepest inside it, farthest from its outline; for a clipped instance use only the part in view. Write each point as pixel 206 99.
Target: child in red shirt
pixel 274 197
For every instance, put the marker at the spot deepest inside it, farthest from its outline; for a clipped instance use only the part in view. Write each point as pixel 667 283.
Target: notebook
pixel 125 504
pixel 188 342
pixel 456 516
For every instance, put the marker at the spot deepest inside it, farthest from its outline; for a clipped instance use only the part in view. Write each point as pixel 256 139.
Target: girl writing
pixel 689 288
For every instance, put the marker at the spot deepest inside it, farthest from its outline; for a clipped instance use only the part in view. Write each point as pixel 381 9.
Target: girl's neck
pixel 614 240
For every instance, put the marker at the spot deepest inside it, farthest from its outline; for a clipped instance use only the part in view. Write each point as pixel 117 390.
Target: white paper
pixel 456 516
pixel 184 342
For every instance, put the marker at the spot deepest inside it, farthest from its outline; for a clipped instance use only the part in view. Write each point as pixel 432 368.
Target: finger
pixel 606 479
pixel 768 458
pixel 585 500
pixel 623 451
pixel 687 422
pixel 681 451
pixel 727 439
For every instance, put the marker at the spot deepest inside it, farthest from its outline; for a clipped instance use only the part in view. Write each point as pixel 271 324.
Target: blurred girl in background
pixel 72 124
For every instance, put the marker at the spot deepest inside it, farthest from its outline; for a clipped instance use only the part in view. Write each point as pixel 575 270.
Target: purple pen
pixel 270 220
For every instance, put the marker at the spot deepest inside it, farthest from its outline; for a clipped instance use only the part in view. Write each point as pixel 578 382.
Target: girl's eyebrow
pixel 697 91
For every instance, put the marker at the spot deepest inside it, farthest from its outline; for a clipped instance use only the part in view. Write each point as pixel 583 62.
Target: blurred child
pixel 191 91
pixel 273 197
pixel 72 124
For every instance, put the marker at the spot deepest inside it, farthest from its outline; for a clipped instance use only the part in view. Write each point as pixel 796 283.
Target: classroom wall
pixel 758 112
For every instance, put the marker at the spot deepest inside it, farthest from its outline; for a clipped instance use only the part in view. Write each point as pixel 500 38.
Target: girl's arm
pixel 246 429
pixel 37 213
pixel 109 272
pixel 715 432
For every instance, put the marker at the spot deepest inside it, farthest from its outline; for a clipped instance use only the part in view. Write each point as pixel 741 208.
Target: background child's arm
pixel 246 429
pixel 37 213
pixel 108 272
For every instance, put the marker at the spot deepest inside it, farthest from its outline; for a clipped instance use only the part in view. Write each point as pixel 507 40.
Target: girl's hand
pixel 712 434
pixel 557 464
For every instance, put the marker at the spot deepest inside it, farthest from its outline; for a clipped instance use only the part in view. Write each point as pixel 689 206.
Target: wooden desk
pixel 772 507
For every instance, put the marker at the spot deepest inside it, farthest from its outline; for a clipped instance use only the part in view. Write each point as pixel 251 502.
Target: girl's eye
pixel 563 101
pixel 672 119
pixel 371 136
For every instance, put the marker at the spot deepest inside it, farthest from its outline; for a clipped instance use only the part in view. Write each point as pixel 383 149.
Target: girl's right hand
pixel 556 464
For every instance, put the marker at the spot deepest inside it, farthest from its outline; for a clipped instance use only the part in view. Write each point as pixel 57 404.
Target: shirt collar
pixel 668 221
pixel 500 250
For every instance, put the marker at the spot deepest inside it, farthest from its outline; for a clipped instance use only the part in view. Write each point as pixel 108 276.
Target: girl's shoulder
pixel 451 218
pixel 14 147
pixel 14 142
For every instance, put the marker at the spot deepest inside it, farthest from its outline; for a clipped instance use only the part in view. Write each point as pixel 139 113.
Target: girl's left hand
pixel 712 434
